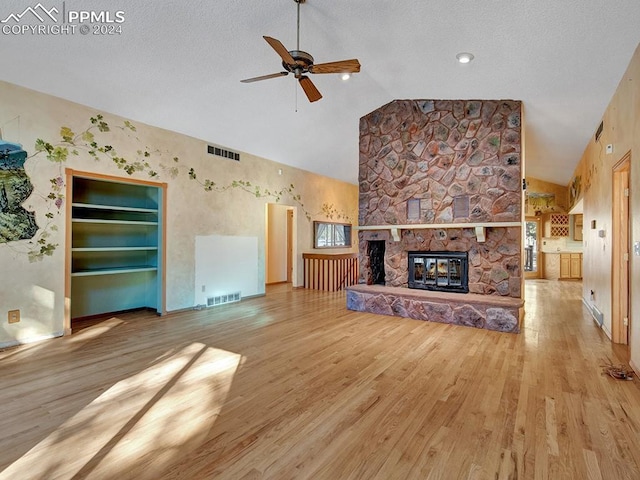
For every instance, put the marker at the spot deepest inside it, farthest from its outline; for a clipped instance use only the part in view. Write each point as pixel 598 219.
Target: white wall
pixel 226 264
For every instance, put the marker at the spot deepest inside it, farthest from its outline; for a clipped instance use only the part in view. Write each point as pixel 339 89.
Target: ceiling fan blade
pixel 309 89
pixel 280 50
pixel 343 66
pixel 264 77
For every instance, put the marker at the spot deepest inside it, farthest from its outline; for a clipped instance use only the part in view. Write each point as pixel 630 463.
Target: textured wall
pixel 595 181
pixel 37 288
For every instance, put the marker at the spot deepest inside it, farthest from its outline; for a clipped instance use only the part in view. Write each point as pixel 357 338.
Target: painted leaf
pixel 67 134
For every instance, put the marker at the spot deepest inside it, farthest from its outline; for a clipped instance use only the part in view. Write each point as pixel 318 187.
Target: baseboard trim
pixel 635 368
pixel 39 338
pixel 607 332
pixel 204 307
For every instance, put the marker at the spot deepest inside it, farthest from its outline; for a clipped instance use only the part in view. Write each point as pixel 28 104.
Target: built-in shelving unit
pixel 115 257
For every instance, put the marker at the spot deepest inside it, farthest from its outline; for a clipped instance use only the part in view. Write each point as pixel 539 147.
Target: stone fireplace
pixel 442 176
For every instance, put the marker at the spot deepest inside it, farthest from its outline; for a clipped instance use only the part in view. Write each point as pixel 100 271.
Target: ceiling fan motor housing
pixel 303 61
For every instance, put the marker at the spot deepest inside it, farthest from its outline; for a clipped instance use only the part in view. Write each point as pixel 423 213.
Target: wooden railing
pixel 330 273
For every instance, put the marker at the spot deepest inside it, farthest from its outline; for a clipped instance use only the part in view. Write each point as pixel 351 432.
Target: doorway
pixel 620 287
pixel 279 244
pixel 289 245
pixel 532 257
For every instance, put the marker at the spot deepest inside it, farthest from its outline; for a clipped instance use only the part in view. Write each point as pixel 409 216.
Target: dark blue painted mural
pixel 16 223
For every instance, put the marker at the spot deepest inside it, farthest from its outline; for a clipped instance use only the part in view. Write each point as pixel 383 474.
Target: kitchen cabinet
pixel 558 225
pixel 577 227
pixel 571 265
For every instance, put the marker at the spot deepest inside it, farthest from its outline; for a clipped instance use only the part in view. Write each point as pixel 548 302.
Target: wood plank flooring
pixel 294 386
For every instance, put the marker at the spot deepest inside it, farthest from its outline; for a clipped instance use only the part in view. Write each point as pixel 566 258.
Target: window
pixel 331 235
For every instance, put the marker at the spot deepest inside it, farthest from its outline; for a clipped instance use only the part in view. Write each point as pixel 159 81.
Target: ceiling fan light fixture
pixel 464 57
pixel 346 76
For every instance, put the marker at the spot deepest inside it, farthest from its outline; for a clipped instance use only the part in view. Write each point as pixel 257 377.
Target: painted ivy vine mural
pixel 146 161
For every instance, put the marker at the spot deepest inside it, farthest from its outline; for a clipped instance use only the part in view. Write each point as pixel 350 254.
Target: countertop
pixel 549 252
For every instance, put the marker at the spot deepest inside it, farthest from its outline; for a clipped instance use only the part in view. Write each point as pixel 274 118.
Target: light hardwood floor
pixel 294 386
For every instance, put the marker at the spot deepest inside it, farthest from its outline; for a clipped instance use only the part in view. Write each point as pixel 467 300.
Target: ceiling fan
pixel 299 63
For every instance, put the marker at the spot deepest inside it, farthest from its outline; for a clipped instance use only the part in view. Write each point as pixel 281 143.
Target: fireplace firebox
pixel 442 271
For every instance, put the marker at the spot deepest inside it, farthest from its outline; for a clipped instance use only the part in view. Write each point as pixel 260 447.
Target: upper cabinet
pixel 577 227
pixel 556 225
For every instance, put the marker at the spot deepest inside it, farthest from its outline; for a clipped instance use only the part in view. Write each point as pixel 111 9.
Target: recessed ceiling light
pixel 464 57
pixel 346 76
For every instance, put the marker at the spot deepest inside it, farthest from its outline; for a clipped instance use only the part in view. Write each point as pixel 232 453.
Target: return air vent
pixel 599 131
pixel 222 299
pixel 221 152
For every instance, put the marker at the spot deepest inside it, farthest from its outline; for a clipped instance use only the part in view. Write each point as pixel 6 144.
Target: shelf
pixel 478 227
pixel 112 222
pixel 113 271
pixel 114 207
pixel 111 249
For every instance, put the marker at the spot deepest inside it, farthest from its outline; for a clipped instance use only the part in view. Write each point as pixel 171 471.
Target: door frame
pixel 539 265
pixel 288 238
pixel 290 245
pixel 620 255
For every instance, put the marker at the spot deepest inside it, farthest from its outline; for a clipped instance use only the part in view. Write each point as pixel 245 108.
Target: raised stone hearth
pixel 501 314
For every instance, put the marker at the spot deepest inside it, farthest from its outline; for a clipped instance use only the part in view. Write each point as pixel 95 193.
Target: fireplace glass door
pixel 445 271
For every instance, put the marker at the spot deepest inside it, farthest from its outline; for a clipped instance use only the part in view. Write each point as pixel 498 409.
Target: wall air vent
pixel 221 152
pixel 599 131
pixel 222 299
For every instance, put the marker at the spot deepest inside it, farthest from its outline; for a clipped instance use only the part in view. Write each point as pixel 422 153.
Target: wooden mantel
pixel 478 227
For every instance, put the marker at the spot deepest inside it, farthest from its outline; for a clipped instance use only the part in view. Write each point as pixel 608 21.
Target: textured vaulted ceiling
pixel 177 65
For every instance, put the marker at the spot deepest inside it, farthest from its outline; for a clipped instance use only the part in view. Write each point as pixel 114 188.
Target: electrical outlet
pixel 204 288
pixel 14 316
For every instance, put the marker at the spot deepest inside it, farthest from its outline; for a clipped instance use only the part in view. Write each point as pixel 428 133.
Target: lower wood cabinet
pixel 570 265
